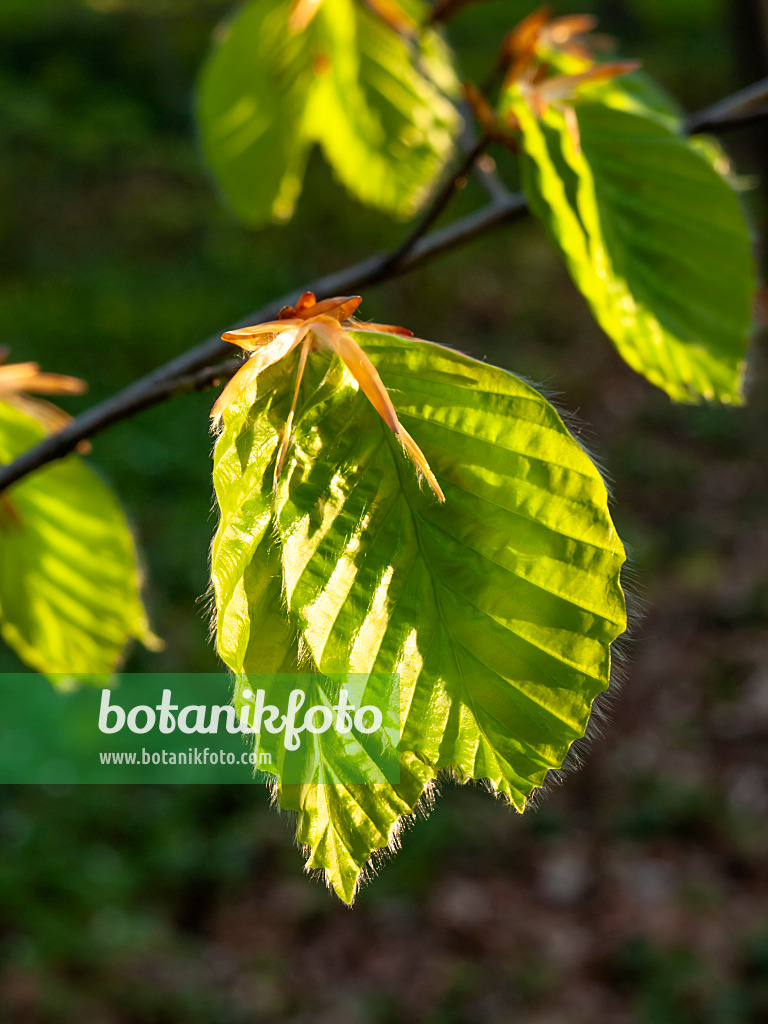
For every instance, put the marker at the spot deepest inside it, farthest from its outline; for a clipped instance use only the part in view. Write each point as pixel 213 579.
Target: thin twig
pixel 442 198
pixel 486 173
pixel 743 107
pixel 191 371
pixel 484 167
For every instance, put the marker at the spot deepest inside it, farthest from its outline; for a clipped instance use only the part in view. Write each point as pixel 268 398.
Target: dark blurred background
pixel 639 890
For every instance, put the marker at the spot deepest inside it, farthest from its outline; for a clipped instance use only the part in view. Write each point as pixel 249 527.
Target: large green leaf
pixel 69 579
pixel 655 239
pixel 377 105
pixel 496 609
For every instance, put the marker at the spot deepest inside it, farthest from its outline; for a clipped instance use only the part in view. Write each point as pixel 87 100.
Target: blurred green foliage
pixel 637 893
pixel 349 84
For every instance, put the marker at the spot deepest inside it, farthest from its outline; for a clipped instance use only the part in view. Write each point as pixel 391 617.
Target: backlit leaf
pixel 655 239
pixel 376 104
pixel 69 579
pixel 497 609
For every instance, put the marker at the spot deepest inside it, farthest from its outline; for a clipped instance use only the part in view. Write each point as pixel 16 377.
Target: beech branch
pixel 192 370
pixel 742 108
pixel 200 367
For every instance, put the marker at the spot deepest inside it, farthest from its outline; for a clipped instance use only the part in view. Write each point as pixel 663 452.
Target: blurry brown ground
pixel 639 891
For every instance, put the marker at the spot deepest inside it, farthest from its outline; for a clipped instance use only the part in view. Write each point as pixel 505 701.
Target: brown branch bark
pixel 743 107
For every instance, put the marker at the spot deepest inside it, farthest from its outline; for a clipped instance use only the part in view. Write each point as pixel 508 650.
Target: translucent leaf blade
pixel 347 82
pixel 655 239
pixel 69 576
pixel 497 609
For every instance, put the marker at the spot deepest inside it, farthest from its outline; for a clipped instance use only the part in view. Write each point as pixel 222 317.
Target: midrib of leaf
pixel 416 518
pixel 442 625
pixel 466 764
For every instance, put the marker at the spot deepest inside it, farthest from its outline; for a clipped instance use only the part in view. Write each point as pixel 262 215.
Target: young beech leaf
pixel 650 228
pixel 653 236
pixel 318 326
pixel 341 76
pixel 496 607
pixel 542 47
pixel 69 579
pixel 21 382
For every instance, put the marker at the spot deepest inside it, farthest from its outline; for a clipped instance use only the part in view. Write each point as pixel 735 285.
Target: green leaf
pixel 655 239
pixel 69 579
pixel 347 82
pixel 496 609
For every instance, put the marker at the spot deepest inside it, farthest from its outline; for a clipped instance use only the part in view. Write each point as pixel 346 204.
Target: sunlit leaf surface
pixel 69 579
pixel 496 609
pixel 347 82
pixel 655 239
